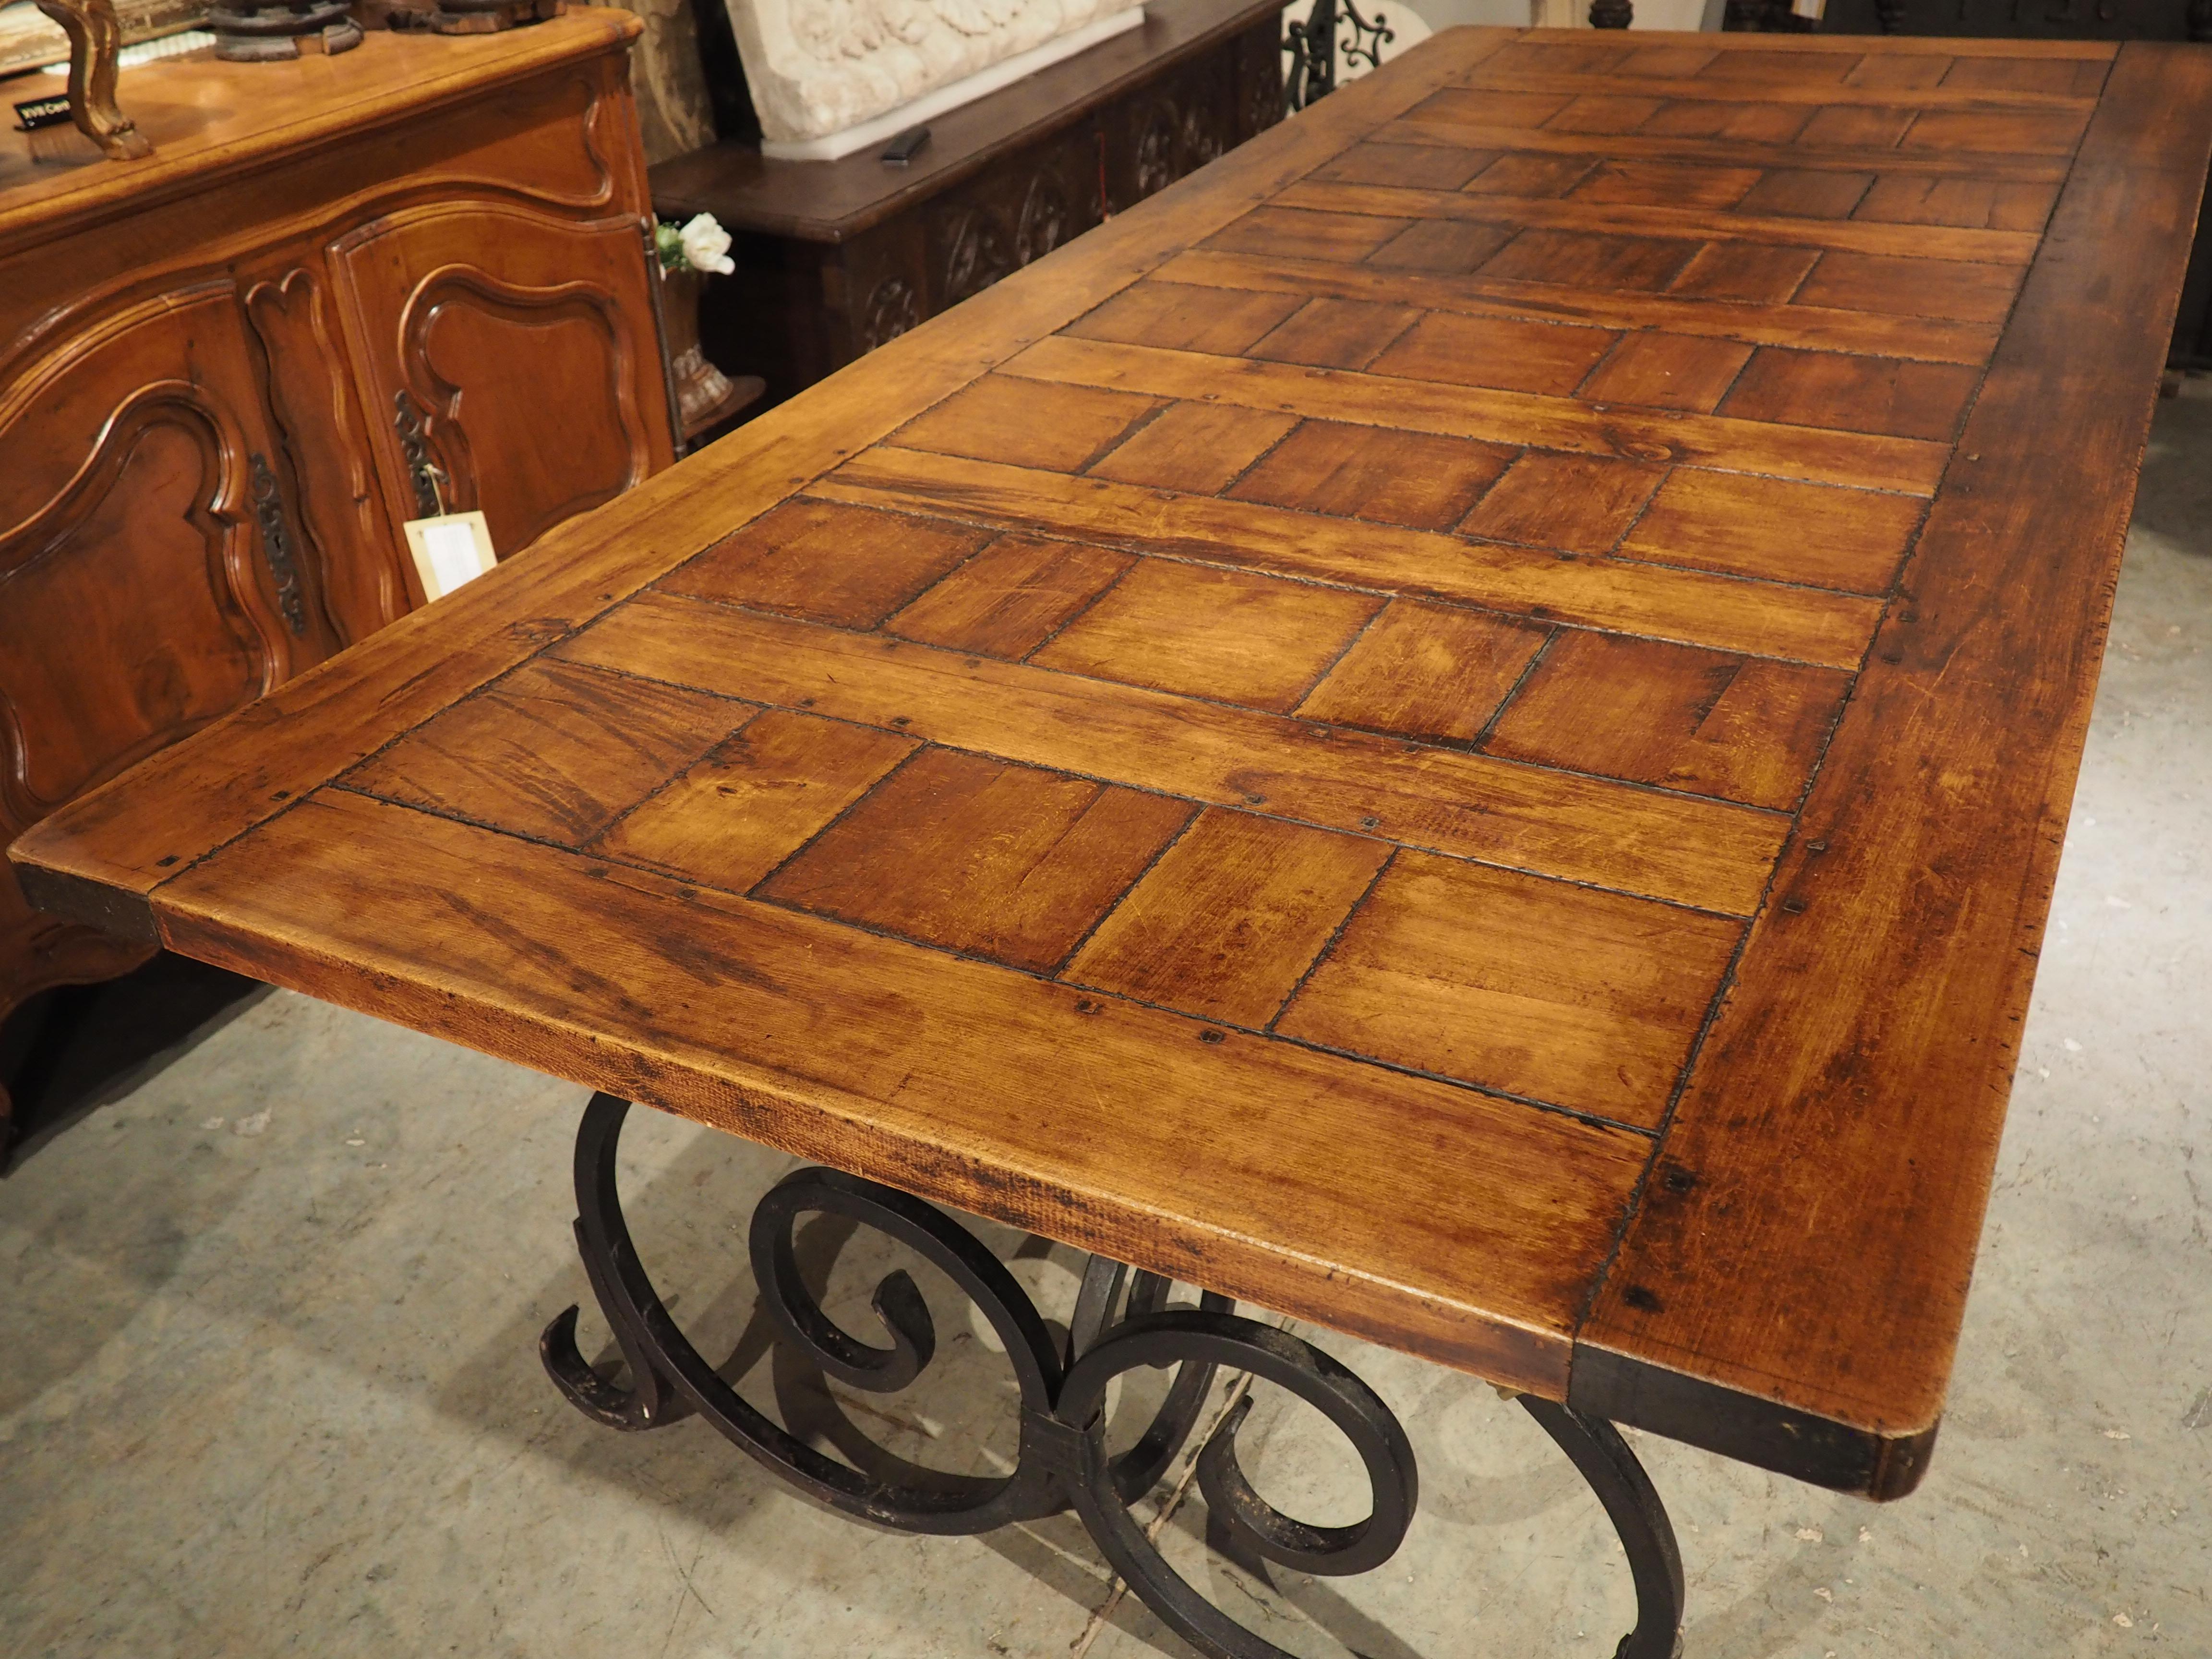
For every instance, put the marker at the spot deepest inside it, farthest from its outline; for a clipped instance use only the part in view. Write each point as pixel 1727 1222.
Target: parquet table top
pixel 1461 726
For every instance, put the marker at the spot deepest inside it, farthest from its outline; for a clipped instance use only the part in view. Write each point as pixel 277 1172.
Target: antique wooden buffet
pixel 342 293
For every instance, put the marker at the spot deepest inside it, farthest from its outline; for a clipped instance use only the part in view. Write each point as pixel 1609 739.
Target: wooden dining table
pixel 1460 729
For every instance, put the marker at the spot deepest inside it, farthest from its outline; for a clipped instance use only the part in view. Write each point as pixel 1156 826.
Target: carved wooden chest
pixel 834 258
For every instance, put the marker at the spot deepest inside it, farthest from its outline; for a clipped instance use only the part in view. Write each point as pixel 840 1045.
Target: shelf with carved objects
pixel 96 36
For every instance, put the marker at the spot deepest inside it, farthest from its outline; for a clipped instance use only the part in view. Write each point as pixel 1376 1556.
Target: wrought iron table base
pixel 1063 1461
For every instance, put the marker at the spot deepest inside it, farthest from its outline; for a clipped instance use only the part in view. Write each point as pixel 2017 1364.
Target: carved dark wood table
pixel 1460 729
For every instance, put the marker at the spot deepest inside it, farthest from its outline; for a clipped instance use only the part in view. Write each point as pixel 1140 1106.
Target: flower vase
pixel 704 394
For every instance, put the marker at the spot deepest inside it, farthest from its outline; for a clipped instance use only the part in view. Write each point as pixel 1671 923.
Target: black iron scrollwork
pixel 670 1379
pixel 1253 1523
pixel 1314 45
pixel 1632 1503
pixel 425 474
pixel 1122 1323
pixel 277 545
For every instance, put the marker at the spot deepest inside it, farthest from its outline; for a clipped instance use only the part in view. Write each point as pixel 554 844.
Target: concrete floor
pixel 269 1380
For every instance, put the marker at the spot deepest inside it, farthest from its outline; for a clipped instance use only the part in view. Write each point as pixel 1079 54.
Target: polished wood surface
pixel 209 120
pixel 1461 727
pixel 203 356
pixel 2108 19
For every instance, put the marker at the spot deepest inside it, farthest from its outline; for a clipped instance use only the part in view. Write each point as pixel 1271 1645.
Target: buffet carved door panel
pixel 353 543
pixel 150 578
pixel 506 355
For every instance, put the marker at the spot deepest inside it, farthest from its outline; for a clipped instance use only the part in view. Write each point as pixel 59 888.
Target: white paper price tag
pixel 449 550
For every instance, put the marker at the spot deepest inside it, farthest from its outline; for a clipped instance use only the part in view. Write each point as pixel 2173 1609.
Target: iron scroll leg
pixel 625 1296
pixel 1122 1323
pixel 1632 1504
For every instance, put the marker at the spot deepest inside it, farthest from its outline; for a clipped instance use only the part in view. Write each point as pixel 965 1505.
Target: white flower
pixel 707 245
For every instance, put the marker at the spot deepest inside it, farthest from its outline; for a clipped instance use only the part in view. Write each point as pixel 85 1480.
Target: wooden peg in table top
pixel 95 38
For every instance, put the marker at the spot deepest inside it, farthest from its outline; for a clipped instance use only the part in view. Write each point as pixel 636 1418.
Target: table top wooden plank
pixel 1707 855
pixel 1457 119
pixel 1460 407
pixel 1822 327
pixel 1505 73
pixel 1662 53
pixel 1798 622
pixel 870 1053
pixel 1879 1005
pixel 1673 224
pixel 1228 921
pixel 1458 727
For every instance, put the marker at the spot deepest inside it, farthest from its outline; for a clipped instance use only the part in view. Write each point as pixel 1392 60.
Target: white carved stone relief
pixel 830 75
